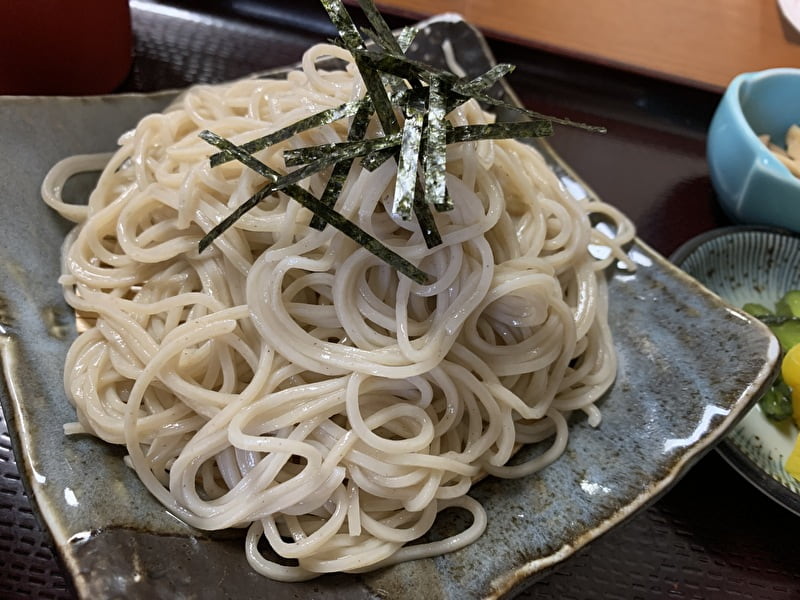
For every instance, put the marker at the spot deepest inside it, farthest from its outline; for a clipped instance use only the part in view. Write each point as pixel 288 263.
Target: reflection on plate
pixel 676 394
pixel 751 264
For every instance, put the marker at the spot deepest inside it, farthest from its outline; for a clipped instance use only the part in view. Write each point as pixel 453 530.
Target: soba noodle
pixel 288 381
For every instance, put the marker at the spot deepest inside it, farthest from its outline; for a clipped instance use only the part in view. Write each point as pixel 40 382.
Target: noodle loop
pixel 289 382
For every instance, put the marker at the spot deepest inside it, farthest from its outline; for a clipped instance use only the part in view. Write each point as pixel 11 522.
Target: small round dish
pixel 753 186
pixel 751 264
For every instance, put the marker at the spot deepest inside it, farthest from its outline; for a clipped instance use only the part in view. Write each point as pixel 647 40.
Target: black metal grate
pixel 28 567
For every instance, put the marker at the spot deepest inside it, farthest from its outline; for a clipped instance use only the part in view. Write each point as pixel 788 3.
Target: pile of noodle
pixel 288 381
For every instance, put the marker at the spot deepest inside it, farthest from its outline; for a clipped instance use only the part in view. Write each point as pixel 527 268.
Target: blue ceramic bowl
pixel 752 185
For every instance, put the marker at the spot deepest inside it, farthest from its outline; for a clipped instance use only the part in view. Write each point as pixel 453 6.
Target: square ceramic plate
pixel 676 394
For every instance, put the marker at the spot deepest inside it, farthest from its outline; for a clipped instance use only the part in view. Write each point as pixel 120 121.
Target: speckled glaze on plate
pixel 751 264
pixel 676 394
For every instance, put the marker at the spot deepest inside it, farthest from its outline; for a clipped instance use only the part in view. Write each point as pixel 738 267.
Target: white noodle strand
pixel 288 381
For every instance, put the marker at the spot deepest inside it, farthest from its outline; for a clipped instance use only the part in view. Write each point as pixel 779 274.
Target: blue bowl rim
pixel 732 96
pixel 679 256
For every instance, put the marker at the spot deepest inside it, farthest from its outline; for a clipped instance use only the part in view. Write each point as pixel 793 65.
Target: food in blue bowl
pixel 753 183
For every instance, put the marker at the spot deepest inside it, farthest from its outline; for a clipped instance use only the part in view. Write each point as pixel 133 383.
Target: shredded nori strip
pixel 336 151
pixel 344 24
pixel 491 100
pixel 499 131
pixel 290 179
pixel 435 155
pixel 388 143
pixel 408 96
pixel 406 38
pixel 407 165
pixel 380 100
pixel 489 78
pixel 347 227
pixel 396 85
pixel 425 95
pixel 372 80
pixel 422 211
pixel 372 161
pixel 474 86
pixel 316 120
pixel 403 66
pixel 358 129
pixel 332 190
pixel 383 34
pixel 370 33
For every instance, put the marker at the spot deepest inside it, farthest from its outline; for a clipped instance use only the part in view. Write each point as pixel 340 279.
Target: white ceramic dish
pixel 752 264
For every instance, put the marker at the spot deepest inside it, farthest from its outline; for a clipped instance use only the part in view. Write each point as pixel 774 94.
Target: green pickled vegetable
pixel 756 309
pixel 788 333
pixel 784 323
pixel 776 404
pixel 789 305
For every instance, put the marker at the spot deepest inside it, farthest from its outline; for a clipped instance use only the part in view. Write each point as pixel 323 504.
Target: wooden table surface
pixel 703 43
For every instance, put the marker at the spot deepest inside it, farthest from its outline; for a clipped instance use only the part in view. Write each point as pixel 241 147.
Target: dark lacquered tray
pixel 712 535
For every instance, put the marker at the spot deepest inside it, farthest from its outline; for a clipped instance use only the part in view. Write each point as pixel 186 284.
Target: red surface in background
pixel 64 47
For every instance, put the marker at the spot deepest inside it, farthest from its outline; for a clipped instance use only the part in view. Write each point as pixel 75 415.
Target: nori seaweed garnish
pixel 407 165
pixel 383 33
pixel 453 135
pixel 435 154
pixel 406 37
pixel 423 95
pixel 323 210
pixel 353 41
pixel 336 151
pixel 358 129
pixel 316 120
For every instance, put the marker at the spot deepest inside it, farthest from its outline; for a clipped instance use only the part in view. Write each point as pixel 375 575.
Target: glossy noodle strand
pixel 289 382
